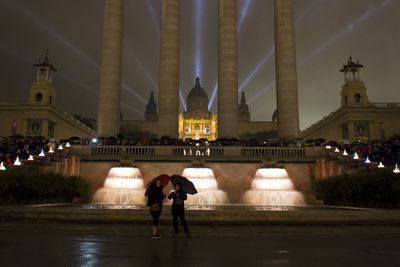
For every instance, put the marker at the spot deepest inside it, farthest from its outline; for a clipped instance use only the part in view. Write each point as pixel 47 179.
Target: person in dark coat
pixel 178 208
pixel 154 201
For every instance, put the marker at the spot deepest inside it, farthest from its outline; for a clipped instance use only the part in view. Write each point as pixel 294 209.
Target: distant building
pixel 39 116
pixel 197 121
pixel 357 118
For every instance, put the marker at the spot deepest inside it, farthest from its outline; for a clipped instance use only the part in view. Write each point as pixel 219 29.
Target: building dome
pixel 197 99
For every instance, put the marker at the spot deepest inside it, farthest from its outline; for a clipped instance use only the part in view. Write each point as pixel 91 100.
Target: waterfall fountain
pixel 207 187
pixel 124 185
pixel 273 187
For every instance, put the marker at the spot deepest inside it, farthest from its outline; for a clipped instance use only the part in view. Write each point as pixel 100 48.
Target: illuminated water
pixel 207 187
pixel 273 187
pixel 122 186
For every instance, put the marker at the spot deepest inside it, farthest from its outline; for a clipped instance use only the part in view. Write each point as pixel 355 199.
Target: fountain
pixel 207 187
pixel 124 185
pixel 273 187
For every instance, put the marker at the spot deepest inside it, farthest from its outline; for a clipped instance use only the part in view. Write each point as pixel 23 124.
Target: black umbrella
pixel 187 185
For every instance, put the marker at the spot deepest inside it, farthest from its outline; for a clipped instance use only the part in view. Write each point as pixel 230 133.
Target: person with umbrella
pixel 178 197
pixel 182 186
pixel 155 197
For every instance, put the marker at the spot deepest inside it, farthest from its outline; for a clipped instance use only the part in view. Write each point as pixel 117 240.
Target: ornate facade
pixel 357 118
pixel 39 115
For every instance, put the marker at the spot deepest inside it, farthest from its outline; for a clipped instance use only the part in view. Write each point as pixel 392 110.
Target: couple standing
pixel 155 197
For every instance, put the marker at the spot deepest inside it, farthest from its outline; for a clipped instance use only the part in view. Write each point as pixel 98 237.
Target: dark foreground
pixel 36 244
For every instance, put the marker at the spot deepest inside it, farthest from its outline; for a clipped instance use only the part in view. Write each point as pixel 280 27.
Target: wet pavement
pixel 43 245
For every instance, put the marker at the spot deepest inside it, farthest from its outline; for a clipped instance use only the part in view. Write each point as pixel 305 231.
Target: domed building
pixel 197 121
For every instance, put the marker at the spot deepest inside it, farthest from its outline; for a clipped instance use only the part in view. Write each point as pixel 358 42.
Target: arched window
pixel 207 129
pixel 357 98
pixel 197 127
pixel 39 98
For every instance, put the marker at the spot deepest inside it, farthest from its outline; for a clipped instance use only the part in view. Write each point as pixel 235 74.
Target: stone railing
pixel 190 152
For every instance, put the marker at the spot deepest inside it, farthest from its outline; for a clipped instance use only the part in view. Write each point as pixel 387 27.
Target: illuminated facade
pixel 197 121
pixel 357 118
pixel 39 116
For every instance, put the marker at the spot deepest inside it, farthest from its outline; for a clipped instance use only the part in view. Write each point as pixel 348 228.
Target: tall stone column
pixel 228 106
pixel 286 71
pixel 168 101
pixel 109 112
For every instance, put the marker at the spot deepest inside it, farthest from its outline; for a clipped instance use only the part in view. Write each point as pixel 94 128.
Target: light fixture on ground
pixel 60 147
pixel 30 157
pixel 17 162
pixel 41 153
pixel 345 153
pixel 51 150
pixel 2 168
pixel 337 150
pixel 367 161
pixel 356 156
pixel 381 165
pixel 67 145
pixel 396 169
pixel 328 147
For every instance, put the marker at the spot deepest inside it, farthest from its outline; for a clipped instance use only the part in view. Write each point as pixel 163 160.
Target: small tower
pixel 244 114
pixel 42 89
pixel 151 113
pixel 354 92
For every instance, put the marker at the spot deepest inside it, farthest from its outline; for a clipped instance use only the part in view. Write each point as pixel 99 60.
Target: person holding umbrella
pixel 183 186
pixel 155 197
pixel 178 208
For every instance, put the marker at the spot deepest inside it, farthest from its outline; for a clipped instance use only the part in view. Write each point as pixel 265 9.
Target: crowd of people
pixel 12 147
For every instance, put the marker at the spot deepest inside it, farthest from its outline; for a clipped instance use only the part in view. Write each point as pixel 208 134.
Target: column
pixel 168 99
pixel 109 112
pixel 228 109
pixel 286 73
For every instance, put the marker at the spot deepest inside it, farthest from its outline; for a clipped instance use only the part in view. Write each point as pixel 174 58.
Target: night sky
pixel 327 32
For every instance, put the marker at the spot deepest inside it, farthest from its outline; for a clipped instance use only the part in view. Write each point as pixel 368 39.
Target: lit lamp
pixel 30 157
pixel 68 145
pixel 17 162
pixel 60 147
pixel 381 165
pixel 2 168
pixel 396 169
pixel 41 153
pixel 328 147
pixel 367 161
pixel 345 153
pixel 356 156
pixel 51 150
pixel 337 150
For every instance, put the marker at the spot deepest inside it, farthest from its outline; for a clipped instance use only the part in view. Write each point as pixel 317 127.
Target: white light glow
pixel 30 157
pixel 123 185
pixel 337 150
pixel 60 147
pixel 396 169
pixel 206 184
pixel 273 187
pixel 328 147
pixel 41 153
pixel 67 145
pixel 367 161
pixel 2 168
pixel 17 162
pixel 381 165
pixel 345 153
pixel 51 150
pixel 356 156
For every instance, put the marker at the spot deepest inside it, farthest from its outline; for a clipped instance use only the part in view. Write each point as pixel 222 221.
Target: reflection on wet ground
pixel 212 207
pixel 42 248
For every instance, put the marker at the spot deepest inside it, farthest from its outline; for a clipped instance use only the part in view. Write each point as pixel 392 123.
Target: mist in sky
pixel 327 33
